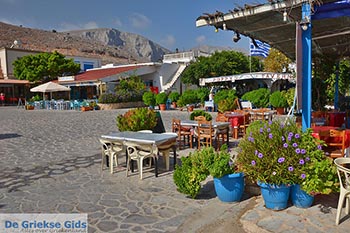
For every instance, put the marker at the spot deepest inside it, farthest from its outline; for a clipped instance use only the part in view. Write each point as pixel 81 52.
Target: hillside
pixel 110 45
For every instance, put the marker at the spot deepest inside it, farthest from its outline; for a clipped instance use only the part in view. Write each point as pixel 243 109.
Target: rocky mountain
pixel 136 45
pixel 110 45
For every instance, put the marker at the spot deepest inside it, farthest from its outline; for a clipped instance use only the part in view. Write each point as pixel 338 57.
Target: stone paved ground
pixel 50 163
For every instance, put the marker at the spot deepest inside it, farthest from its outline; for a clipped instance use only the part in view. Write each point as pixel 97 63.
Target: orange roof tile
pixel 92 75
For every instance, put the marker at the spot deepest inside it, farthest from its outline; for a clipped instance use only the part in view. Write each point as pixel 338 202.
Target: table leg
pixel 156 165
pixel 175 159
pixel 227 135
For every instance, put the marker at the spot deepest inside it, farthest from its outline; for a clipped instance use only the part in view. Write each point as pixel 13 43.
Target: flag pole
pixel 250 58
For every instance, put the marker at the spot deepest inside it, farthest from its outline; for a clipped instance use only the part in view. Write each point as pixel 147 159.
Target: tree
pixel 44 67
pixel 219 64
pixel 276 62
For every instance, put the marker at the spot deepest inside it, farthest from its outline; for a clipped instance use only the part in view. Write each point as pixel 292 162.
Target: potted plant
pixel 149 99
pixel 259 97
pixel 196 113
pixel 278 101
pixel 188 99
pixel 268 157
pixel 197 166
pixel 161 99
pixel 315 173
pixel 279 155
pixel 174 97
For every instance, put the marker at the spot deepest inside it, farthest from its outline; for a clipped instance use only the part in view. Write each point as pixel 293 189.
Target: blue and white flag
pixel 262 50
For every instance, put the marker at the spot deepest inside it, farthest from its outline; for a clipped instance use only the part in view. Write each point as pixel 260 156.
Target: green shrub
pixel 202 94
pixel 161 98
pixel 196 113
pixel 149 98
pixel 197 166
pixel 227 105
pixel 225 94
pixel 259 97
pixel 277 100
pixel 137 119
pixel 188 97
pixel 289 95
pixel 174 96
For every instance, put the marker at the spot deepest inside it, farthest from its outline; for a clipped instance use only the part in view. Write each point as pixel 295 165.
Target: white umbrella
pixel 49 87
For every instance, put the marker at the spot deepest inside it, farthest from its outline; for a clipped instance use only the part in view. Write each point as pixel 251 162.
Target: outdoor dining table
pixel 215 125
pixel 155 139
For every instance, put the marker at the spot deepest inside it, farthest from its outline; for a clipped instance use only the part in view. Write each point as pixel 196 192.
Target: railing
pixel 175 78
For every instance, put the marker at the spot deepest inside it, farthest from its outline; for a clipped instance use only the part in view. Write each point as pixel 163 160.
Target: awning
pixel 13 81
pixel 330 25
pixel 256 75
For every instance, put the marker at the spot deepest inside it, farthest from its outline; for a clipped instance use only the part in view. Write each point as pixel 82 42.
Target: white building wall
pixel 95 62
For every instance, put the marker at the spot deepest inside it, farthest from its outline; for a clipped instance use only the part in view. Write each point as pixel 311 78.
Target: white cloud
pixel 139 21
pixel 168 41
pixel 71 26
pixel 201 39
pixel 118 23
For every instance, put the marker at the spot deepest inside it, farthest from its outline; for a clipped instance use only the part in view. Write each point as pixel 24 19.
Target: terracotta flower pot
pixel 162 107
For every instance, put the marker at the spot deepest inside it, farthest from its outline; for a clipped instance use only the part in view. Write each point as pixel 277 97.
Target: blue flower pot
pixel 300 198
pixel 230 188
pixel 275 196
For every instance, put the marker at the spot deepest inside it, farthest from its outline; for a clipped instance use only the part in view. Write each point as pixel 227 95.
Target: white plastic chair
pixel 344 179
pixel 139 152
pixel 166 147
pixel 112 149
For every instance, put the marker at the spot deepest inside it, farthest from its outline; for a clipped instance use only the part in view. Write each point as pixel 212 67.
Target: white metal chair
pixel 139 152
pixel 344 179
pixel 112 149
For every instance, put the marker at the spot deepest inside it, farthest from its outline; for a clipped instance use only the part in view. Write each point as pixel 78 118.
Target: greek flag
pixel 262 50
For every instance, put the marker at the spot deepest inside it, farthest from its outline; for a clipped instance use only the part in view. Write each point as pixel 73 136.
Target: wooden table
pixel 215 125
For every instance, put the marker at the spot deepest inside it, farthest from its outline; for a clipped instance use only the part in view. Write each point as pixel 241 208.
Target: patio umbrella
pixel 49 87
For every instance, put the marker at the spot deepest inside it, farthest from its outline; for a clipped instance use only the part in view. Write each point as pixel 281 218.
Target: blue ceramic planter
pixel 275 196
pixel 230 188
pixel 300 198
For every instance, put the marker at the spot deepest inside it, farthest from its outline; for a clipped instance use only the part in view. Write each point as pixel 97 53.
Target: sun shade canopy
pixel 275 24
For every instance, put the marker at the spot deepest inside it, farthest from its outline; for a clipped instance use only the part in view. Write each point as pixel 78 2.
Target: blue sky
pixel 170 23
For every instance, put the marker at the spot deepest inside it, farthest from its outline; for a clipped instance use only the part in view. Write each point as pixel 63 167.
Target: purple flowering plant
pixel 280 153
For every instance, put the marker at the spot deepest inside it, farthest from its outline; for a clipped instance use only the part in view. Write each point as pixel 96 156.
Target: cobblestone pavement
pixel 51 163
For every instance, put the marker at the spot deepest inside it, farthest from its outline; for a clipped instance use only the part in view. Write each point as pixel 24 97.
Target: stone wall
pixel 121 105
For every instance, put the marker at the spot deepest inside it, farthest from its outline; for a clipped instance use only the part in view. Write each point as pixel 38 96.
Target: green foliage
pixel 202 94
pixel 278 100
pixel 219 64
pixel 35 98
pixel 278 153
pixel 149 98
pixel 130 89
pixel 226 105
pixel 44 67
pixel 197 166
pixel 259 97
pixel 188 97
pixel 161 98
pixel 289 96
pixel 137 119
pixel 174 96
pixel 225 94
pixel 276 62
pixel 196 113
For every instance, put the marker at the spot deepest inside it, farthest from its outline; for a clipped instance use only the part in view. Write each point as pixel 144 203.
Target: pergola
pixel 298 28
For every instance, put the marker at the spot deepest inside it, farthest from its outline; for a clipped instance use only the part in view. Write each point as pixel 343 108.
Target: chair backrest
pixel 200 118
pixel 335 140
pixel 205 128
pixel 343 172
pixel 221 118
pixel 175 125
